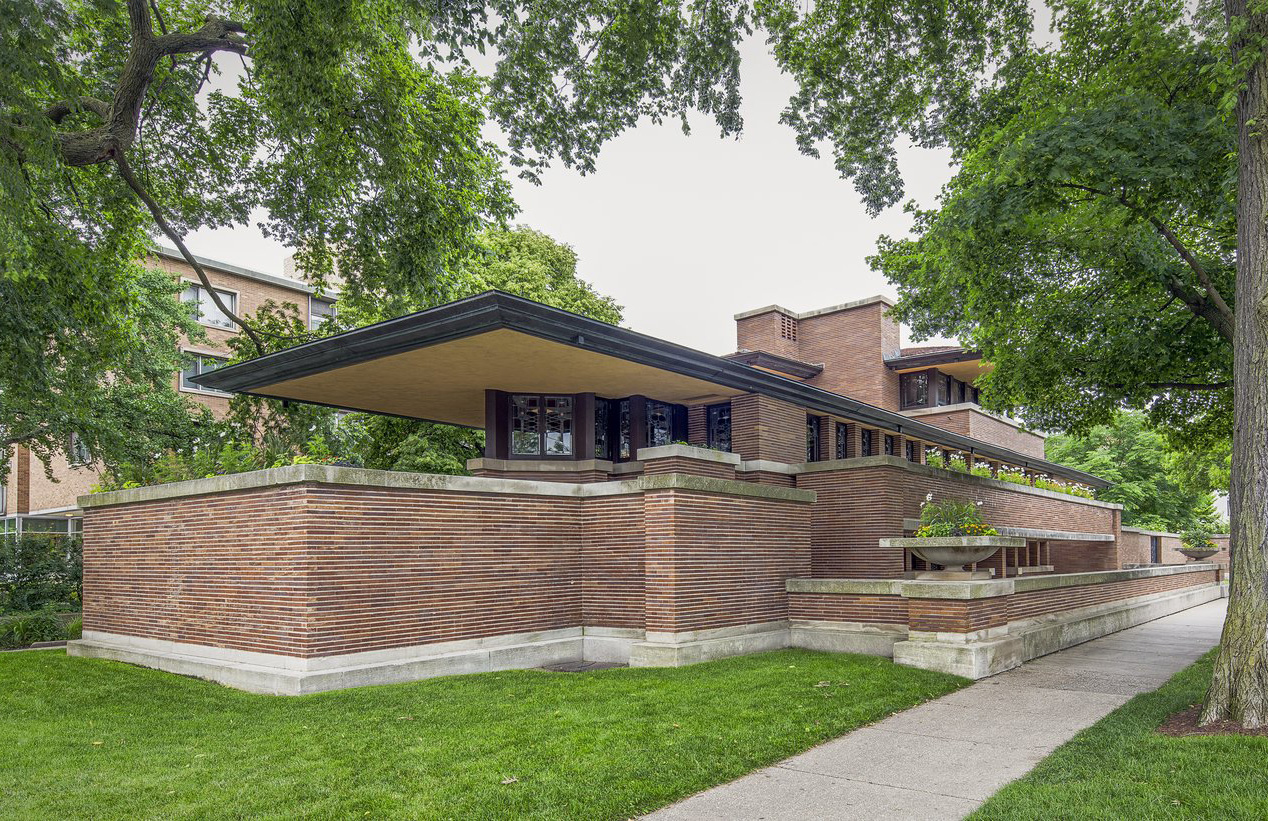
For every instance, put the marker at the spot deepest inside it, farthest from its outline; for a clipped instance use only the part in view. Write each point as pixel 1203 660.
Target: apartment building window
pixel 812 439
pixel 208 312
pixel 319 310
pixel 719 426
pixel 197 364
pixel 843 436
pixel 78 454
pixel 914 388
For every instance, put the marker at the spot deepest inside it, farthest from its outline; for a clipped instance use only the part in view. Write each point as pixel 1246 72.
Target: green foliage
pixel 952 517
pixel 1137 460
pixel 24 629
pixel 39 571
pixel 1056 247
pixel 1198 538
pixel 608 744
pixel 425 447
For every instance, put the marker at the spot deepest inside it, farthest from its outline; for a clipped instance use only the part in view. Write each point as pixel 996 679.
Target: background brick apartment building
pixel 31 501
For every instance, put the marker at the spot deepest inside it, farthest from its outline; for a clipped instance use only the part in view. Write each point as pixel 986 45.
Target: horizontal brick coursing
pixel 858 506
pixel 847 607
pixel 721 561
pixel 318 570
pixel 957 615
pixel 987 428
pixel 1041 602
pixel 692 467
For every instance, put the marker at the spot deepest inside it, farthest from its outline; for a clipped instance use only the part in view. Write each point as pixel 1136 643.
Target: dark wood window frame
pixel 713 413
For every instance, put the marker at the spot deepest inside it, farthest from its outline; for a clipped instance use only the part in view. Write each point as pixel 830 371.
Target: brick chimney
pixel 851 342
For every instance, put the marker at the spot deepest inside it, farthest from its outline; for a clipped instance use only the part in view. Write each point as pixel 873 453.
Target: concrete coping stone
pixel 954 541
pixel 859 462
pixel 984 589
pixel 768 466
pixel 688 452
pixel 332 475
pixel 543 465
pixel 1036 533
pixel 1027 584
pixel 1141 530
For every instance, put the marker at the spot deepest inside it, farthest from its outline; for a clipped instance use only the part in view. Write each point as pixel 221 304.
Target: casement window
pixel 78 453
pixel 889 445
pixel 914 389
pixel 208 312
pixel 843 434
pixel 602 433
pixel 865 442
pixel 197 364
pixel 812 439
pixel 718 419
pixel 910 452
pixel 541 425
pixel 319 310
pixel 959 392
pixel 660 423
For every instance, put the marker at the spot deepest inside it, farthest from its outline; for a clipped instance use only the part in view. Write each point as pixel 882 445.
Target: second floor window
pixel 915 389
pixel 208 313
pixel 889 445
pixel 843 434
pixel 865 443
pixel 812 438
pixel 200 363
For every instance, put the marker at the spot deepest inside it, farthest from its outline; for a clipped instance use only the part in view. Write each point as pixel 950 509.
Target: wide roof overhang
pixel 436 365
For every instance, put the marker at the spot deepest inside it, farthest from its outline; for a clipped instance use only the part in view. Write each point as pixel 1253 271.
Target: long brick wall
pixel 319 569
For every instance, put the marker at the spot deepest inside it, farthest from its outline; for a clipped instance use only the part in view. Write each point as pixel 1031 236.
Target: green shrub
pixel 39 571
pixel 23 629
pixel 75 628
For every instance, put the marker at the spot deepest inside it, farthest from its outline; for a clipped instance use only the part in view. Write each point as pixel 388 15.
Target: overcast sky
pixel 687 231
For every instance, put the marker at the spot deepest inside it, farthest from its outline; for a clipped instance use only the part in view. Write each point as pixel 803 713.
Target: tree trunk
pixel 1239 687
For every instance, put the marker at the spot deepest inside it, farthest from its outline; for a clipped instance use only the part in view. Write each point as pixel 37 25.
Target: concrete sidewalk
pixel 944 758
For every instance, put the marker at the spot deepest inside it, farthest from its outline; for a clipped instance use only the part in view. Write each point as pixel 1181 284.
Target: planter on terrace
pixel 952 553
pixel 1199 553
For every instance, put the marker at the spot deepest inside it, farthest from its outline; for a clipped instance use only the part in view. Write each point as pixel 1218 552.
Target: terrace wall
pixel 1136 548
pixel 313 562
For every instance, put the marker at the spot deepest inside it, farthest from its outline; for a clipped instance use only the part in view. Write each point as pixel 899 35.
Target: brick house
pixel 32 502
pixel 637 501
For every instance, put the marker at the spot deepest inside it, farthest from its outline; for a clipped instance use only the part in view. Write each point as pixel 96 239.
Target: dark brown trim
pixel 928 360
pixel 774 362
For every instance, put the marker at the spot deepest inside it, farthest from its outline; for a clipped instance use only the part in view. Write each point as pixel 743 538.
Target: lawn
pixel 1120 768
pixel 85 738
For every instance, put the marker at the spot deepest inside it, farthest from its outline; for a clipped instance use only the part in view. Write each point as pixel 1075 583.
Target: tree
pixel 1143 469
pixel 1104 245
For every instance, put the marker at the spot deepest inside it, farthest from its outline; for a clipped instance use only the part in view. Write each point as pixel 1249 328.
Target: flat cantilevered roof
pixel 436 365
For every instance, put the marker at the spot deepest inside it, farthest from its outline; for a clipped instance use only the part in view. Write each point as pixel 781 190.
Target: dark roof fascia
pixel 928 360
pixel 770 361
pixel 495 310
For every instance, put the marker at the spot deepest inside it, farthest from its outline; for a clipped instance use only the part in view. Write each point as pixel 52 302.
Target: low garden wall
pixel 979 628
pixel 309 577
pixel 1137 548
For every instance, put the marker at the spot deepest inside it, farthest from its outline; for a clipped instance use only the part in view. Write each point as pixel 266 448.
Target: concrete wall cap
pixel 688 452
pixel 861 587
pixel 954 541
pixel 1036 533
pixel 1026 584
pixel 331 475
pixel 931 589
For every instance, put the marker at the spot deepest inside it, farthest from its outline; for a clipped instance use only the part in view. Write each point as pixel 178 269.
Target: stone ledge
pixel 1036 533
pixel 689 647
pixel 687 452
pixel 858 587
pixel 330 475
pixel 1031 583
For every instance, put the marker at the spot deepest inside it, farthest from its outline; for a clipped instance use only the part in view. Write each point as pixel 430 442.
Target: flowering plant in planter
pixel 1197 543
pixel 952 517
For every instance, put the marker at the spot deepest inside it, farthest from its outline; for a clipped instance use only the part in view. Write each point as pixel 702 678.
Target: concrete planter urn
pixel 1199 553
pixel 954 552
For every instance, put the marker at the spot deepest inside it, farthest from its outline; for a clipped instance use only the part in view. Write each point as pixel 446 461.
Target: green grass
pixel 84 738
pixel 1121 768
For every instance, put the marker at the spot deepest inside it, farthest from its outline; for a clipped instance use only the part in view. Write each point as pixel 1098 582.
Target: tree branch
pixel 59 111
pixel 125 171
pixel 1213 308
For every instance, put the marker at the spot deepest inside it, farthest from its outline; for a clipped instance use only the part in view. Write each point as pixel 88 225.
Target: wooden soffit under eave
pixel 445 382
pixel 966 371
